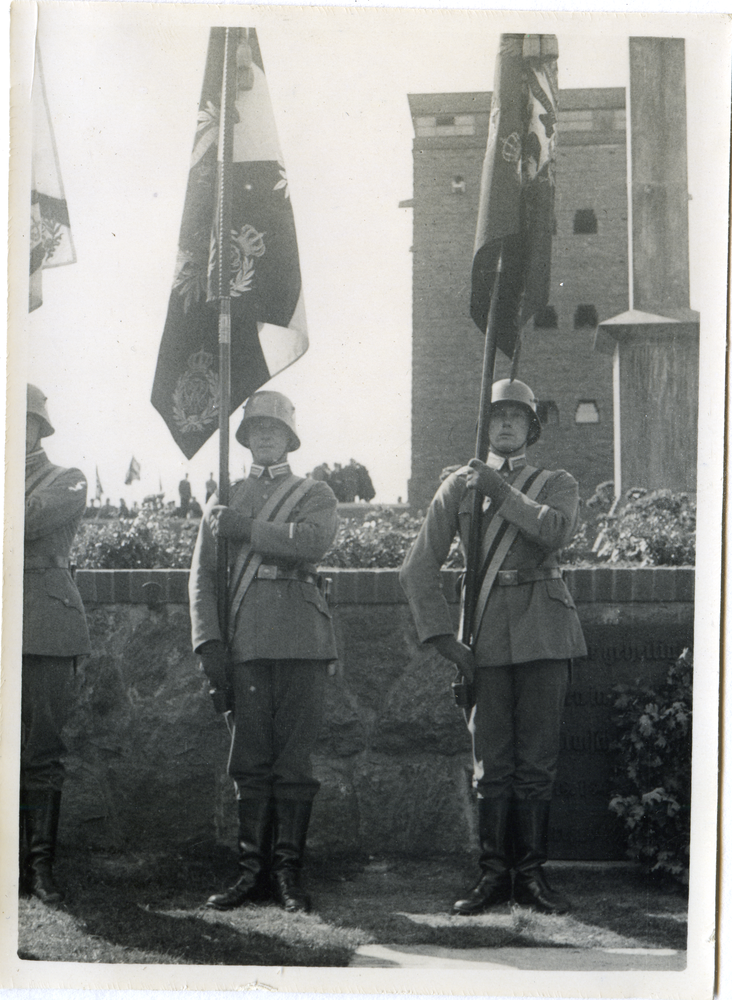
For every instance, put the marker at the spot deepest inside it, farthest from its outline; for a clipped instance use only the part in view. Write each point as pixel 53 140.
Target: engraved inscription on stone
pixel 582 825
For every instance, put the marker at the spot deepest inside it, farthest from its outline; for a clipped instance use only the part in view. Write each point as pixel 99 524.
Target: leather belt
pixel 270 572
pixel 515 577
pixel 46 562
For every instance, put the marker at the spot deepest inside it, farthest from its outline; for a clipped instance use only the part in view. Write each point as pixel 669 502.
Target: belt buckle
pixel 267 572
pixel 507 577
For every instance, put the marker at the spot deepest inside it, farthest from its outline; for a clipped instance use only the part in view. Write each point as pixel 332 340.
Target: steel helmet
pixel 273 405
pixel 36 403
pixel 508 390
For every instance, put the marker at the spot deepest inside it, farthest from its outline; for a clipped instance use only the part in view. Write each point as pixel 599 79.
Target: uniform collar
pixel 35 459
pixel 495 461
pixel 272 471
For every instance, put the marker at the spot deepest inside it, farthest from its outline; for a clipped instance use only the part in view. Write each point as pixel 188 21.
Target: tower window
pixel 585 221
pixel 547 411
pixel 546 318
pixel 585 316
pixel 431 125
pixel 458 184
pixel 587 412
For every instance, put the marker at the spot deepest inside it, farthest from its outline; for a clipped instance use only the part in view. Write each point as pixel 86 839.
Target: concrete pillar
pixel 656 343
pixel 659 190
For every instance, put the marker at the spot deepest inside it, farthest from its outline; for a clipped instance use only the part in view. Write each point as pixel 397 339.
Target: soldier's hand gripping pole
pixel 468 627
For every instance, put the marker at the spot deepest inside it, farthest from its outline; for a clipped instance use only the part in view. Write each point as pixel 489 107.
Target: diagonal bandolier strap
pixel 42 478
pixel 497 525
pixel 503 533
pixel 270 508
pixel 275 511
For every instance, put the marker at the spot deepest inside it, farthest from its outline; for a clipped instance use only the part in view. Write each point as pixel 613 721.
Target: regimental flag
pixel 133 472
pixel 268 329
pixel 50 235
pixel 516 209
pixel 99 492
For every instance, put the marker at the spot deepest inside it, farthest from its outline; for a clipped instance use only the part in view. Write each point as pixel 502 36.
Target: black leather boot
pixel 24 882
pixel 530 887
pixel 255 842
pixel 292 817
pixel 41 823
pixel 494 885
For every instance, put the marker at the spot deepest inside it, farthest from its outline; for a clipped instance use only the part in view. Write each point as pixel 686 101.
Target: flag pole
pixel 467 625
pixel 223 226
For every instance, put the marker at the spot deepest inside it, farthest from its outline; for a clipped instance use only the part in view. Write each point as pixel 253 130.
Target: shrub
pixel 653 771
pixel 153 540
pixel 645 529
pixel 650 528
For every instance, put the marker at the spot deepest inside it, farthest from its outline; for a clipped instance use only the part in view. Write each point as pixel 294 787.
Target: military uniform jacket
pixel 531 621
pixel 278 618
pixel 54 623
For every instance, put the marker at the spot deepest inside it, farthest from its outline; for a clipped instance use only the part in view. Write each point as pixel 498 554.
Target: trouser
pixel 277 716
pixel 45 704
pixel 515 728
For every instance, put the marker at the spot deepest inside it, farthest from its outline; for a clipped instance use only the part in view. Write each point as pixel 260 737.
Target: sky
pixel 123 83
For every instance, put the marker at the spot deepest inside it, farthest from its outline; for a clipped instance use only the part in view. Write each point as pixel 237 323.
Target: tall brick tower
pixel 571 380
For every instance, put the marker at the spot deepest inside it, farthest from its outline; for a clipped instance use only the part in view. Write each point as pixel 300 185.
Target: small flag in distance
pixel 133 472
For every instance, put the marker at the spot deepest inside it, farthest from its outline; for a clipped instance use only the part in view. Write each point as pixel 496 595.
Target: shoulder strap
pixel 277 509
pixel 531 486
pixel 43 478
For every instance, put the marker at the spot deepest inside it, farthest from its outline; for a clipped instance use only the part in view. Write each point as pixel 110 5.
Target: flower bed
pixel 645 528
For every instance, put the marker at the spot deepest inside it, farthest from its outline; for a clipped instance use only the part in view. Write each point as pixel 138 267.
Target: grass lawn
pixel 147 909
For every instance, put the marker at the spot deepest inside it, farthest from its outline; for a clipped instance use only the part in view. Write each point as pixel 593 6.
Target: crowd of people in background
pixel 349 483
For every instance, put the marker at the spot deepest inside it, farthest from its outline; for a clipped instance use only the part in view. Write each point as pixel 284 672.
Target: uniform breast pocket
pixel 61 589
pixel 313 596
pixel 557 590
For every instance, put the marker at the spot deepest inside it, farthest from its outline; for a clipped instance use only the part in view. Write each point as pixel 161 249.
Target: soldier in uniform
pixel 54 635
pixel 184 489
pixel 272 665
pixel 526 633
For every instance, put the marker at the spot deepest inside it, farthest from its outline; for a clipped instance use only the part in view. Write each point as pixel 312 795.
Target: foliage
pixel 154 539
pixel 644 529
pixel 651 528
pixel 380 541
pixel 653 774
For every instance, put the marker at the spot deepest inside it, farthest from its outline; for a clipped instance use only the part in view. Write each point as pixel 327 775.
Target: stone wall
pixel 147 754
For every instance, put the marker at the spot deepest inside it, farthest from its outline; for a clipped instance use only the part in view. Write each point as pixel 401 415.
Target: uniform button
pixel 66 601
